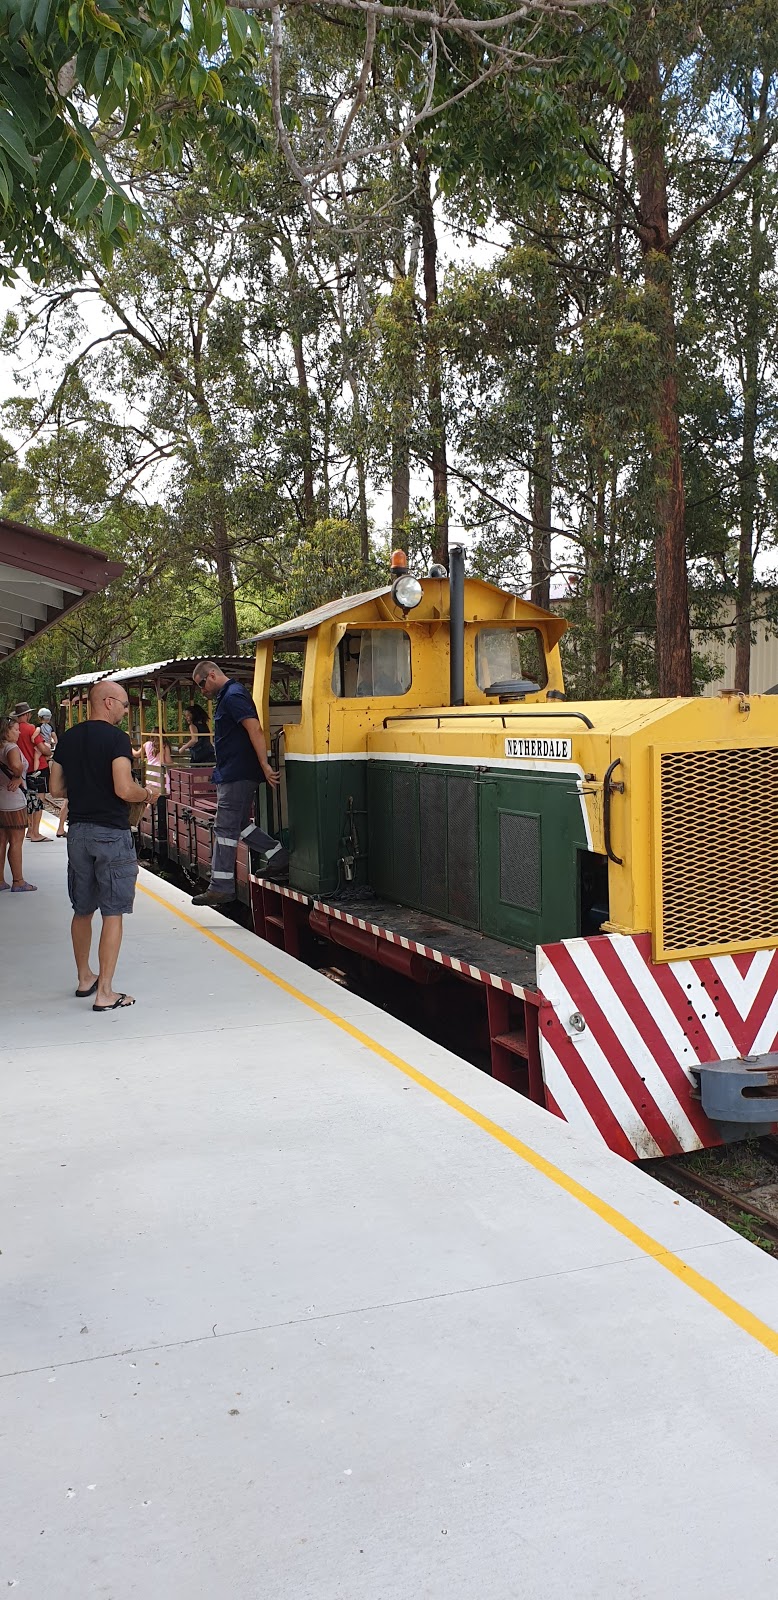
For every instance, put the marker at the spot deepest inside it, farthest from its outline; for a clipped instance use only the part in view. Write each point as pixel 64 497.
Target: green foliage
pixel 398 348
pixel 78 80
pixel 327 563
pixel 261 365
pixel 527 134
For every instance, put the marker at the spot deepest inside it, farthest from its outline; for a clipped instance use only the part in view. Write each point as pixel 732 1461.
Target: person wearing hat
pixel 36 753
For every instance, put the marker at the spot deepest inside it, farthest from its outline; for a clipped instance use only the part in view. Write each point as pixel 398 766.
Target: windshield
pixel 372 662
pixel 505 655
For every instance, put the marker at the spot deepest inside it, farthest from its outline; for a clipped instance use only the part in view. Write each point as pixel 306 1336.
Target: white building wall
pixel 764 656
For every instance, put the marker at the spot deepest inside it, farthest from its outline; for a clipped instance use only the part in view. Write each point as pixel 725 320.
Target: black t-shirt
pixel 202 751
pixel 85 753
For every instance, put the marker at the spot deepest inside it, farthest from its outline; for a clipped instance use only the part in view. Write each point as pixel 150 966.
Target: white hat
pixel 45 712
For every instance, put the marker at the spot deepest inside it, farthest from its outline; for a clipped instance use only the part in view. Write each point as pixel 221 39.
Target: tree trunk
pixel 352 379
pixel 326 430
pixel 364 525
pixel 219 531
pixel 602 595
pixel 750 368
pixel 646 136
pixel 306 441
pixel 748 495
pixel 437 420
pixel 540 511
pixel 401 403
pixel 542 467
pixel 401 485
pixel 221 549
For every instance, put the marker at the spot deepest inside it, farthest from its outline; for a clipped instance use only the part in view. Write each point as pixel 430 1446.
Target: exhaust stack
pixel 457 624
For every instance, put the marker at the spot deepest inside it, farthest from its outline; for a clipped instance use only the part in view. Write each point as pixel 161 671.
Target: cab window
pixel 286 680
pixel 370 662
pixel 507 654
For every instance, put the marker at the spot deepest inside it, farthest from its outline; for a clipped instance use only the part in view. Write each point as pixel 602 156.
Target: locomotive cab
pixel 365 661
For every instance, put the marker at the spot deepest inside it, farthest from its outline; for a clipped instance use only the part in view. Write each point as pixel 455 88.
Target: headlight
pixel 407 592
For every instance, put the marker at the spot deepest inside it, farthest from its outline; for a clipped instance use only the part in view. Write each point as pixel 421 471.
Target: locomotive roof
pixel 312 619
pixel 296 627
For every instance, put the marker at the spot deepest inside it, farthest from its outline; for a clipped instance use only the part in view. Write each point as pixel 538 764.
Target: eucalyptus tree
pixel 689 60
pixel 627 137
pixel 729 280
pixel 159 337
pixel 78 80
pixel 71 482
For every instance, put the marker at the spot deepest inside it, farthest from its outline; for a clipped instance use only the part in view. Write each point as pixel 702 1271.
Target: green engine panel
pixel 492 850
pixel 326 805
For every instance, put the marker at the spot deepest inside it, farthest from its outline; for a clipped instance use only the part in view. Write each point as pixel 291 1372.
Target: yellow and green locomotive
pixel 582 898
pixel 597 882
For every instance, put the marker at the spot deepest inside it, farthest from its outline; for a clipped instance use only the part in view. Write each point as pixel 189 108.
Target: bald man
pixel 92 770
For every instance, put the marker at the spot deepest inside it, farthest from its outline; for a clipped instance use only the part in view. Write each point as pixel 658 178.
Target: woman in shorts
pixel 13 806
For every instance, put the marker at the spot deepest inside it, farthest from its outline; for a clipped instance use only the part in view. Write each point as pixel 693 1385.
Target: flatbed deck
pixel 488 957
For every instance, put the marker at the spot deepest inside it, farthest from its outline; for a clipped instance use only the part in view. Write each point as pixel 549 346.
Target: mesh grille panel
pixel 719 848
pixel 463 849
pixel 404 814
pixel 432 806
pixel 520 860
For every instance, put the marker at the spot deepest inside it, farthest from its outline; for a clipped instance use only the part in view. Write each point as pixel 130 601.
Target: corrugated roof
pixel 312 619
pixel 42 578
pixel 82 680
pixel 176 667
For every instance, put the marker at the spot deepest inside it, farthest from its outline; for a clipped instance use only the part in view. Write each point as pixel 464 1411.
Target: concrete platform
pixel 296 1305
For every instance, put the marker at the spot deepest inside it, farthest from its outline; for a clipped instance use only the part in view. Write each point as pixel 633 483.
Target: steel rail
pixel 729 1197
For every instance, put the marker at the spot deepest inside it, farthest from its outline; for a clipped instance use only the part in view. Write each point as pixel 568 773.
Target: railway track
pixel 738 1183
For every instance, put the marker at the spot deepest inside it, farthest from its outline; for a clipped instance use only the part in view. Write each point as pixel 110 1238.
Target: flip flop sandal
pixel 122 1004
pixel 24 888
pixel 83 994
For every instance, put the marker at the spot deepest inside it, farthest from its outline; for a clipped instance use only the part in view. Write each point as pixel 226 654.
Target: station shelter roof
pixel 42 578
pixel 162 674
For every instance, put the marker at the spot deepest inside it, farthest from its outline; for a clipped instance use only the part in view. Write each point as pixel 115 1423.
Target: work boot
pixel 213 897
pixel 276 866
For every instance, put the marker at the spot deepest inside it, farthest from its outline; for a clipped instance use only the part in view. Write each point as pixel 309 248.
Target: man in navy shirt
pixel 241 764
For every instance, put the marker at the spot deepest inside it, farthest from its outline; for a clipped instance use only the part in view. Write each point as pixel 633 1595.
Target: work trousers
pixel 233 809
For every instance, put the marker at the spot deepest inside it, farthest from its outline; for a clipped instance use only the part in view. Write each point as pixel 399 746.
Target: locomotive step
pixel 517 1042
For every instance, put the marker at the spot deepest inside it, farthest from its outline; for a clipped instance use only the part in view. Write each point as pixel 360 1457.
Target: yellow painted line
pixel 700 1285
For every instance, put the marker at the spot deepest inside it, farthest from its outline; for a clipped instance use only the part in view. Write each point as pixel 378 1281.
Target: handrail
pixel 440 716
pixel 609 788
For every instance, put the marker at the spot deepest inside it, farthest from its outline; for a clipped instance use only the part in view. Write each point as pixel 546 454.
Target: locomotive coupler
pixel 740 1096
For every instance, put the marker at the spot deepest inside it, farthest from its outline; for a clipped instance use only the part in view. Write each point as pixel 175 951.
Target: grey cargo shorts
pixel 102 868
